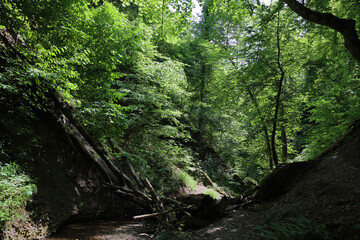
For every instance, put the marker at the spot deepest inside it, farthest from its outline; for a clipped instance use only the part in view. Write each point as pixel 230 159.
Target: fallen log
pixel 87 149
pixel 129 185
pixel 199 211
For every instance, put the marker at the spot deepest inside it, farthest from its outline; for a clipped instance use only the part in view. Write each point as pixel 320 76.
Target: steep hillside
pixel 327 190
pixel 321 195
pixel 69 185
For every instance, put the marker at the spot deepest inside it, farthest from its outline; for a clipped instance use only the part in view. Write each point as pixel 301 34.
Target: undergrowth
pixel 16 191
pixel 186 179
pixel 300 228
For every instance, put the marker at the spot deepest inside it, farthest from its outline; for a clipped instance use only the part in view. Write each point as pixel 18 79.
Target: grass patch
pixel 212 193
pixel 186 179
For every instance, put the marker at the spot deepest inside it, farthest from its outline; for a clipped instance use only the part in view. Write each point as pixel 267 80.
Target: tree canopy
pixel 248 87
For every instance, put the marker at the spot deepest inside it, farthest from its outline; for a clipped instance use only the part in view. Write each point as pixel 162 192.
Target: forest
pixel 183 116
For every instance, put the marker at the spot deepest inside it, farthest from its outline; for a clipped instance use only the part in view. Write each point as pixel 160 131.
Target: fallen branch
pixel 85 146
pixel 153 194
pixel 150 215
pixel 171 201
pixel 208 181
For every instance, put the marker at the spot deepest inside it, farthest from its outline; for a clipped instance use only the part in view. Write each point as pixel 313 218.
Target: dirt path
pixel 103 230
pixel 238 224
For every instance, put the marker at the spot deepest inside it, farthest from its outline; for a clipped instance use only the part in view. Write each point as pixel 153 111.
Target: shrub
pixel 22 227
pixel 16 190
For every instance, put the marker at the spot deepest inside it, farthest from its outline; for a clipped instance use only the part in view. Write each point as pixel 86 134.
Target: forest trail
pixel 103 229
pixel 237 224
pixel 326 191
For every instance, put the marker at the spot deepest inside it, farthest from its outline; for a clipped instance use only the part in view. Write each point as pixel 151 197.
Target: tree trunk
pixel 129 186
pixel 284 150
pixel 273 133
pixel 264 127
pixel 278 96
pixel 347 27
pixel 263 123
pixel 86 148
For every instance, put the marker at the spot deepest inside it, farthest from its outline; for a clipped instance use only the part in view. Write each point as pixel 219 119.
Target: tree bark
pixel 344 26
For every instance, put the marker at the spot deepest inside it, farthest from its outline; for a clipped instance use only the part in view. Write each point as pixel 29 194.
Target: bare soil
pixel 104 230
pixel 238 224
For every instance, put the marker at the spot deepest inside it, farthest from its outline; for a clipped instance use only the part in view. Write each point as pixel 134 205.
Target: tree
pixel 93 70
pixel 347 27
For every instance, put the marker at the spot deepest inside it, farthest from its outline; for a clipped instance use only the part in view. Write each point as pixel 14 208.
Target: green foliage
pixel 212 193
pixel 22 227
pixel 175 94
pixel 154 100
pixel 16 190
pixel 315 106
pixel 299 228
pixel 186 179
pixel 330 100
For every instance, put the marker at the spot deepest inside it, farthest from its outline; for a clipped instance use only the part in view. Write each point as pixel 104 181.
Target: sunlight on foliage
pixel 186 179
pixel 16 190
pixel 247 86
pixel 212 193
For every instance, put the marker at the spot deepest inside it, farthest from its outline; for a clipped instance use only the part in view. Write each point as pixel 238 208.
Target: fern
pixel 300 228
